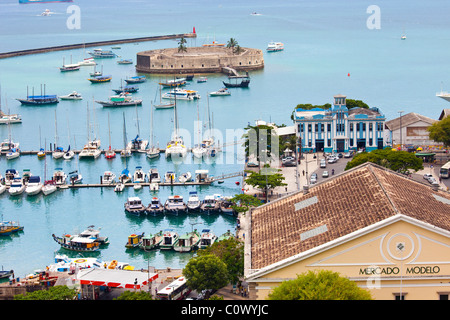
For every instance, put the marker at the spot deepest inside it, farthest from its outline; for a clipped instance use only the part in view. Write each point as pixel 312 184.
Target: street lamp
pixel 401 142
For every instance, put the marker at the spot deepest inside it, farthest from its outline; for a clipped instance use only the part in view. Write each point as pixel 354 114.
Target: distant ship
pixel 43 1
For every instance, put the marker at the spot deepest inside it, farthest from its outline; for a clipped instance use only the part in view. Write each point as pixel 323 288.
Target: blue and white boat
pixel 137 79
pixel 39 100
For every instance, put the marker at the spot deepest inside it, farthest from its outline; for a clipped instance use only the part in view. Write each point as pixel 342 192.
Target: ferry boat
pixel 72 96
pixel 17 187
pixel 173 83
pixel 76 243
pixel 155 207
pixel 169 239
pixel 134 240
pixel 210 205
pixel 108 177
pixel 151 241
pixel 39 100
pixel 275 46
pixel 181 94
pixel 207 239
pixel 194 203
pixel 134 206
pixel 220 92
pixel 100 79
pixel 34 186
pixel 121 100
pixel 174 205
pixel 187 242
pixel 100 53
pixel 136 79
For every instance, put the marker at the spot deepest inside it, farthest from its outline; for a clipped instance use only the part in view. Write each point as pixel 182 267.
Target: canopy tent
pixel 115 278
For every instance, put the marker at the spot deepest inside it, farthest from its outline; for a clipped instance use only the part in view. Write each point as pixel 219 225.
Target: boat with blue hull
pixel 39 100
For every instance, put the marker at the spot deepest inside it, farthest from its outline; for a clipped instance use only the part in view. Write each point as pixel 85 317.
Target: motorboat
pixel 87 62
pixel 72 96
pixel 75 177
pixel 170 177
pixel 92 233
pixel 10 175
pixel 126 89
pixel 122 100
pixel 151 241
pixel 209 205
pixel 17 187
pixel 202 79
pixel 125 176
pixel 34 186
pixel 174 205
pixel 10 118
pixel 225 207
pixel 153 175
pixel 155 207
pixel 220 92
pixel 173 83
pixel 49 187
pixel 275 46
pixel 170 238
pixel 13 154
pixel 125 61
pixel 2 187
pixel 136 79
pixel 185 177
pixel 194 203
pixel 181 94
pixel 108 177
pixel 225 236
pixel 100 53
pixel 138 144
pixel 134 206
pixel 134 240
pixel 8 145
pixel 139 175
pixel 59 177
pixel 26 175
pixel 207 239
pixel 187 242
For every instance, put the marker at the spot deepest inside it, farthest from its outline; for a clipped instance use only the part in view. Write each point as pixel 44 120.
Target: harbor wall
pixel 93 44
pixel 198 60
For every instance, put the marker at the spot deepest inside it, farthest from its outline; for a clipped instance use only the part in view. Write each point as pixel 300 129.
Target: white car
pixel 325 174
pixel 427 176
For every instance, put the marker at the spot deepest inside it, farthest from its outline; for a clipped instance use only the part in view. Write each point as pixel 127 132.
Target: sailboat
pixel 175 147
pixel 49 185
pixel 58 152
pixel 125 152
pixel 69 154
pixel 109 154
pixel 69 67
pixel 162 105
pixel 137 143
pixel 198 151
pixel 92 148
pixel 153 152
pixel 41 154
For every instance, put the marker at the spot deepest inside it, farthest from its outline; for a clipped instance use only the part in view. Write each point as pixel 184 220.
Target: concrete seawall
pixel 93 44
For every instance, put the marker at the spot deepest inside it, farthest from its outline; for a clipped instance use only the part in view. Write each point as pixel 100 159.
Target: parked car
pixel 332 160
pixel 432 180
pixel 325 174
pixel 348 155
pixel 323 163
pixel 427 176
pixel 313 178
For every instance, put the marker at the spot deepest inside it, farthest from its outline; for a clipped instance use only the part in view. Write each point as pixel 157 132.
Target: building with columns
pixel 340 129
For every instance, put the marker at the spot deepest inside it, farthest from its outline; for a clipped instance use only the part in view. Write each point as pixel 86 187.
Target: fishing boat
pixel 202 79
pixel 207 239
pixel 126 89
pixel 209 205
pixel 225 207
pixel 243 84
pixel 175 205
pixel 181 94
pixel 220 92
pixel 153 175
pixel 72 96
pixel 121 100
pixel 75 177
pixel 125 176
pixel 10 175
pixel 275 46
pixel 134 206
pixel 100 53
pixel 139 175
pixel 170 238
pixel 155 208
pixel 59 177
pixel 134 240
pixel 187 242
pixel 227 235
pixel 9 227
pixel 34 186
pixel 185 177
pixel 17 187
pixel 194 203
pixel 13 154
pixel 170 177
pixel 108 177
pixel 136 79
pixel 76 243
pixel 87 62
pixel 151 241
pixel 173 83
pixel 125 61
pixel 100 79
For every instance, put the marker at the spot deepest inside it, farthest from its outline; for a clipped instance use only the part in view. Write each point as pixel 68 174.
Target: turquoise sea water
pixel 324 42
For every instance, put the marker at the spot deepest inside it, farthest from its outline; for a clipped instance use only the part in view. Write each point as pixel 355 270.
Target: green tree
pixel 182 45
pixel 350 103
pixel 321 285
pixel 52 293
pixel 132 295
pixel 231 252
pixel 265 179
pixel 243 202
pixel 399 161
pixel 258 141
pixel 440 131
pixel 237 49
pixel 206 272
pixel 232 43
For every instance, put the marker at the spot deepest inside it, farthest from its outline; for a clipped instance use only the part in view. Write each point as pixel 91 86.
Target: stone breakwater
pixel 198 60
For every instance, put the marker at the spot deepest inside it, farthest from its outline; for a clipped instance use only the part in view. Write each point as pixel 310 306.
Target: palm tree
pixel 232 43
pixel 182 45
pixel 237 49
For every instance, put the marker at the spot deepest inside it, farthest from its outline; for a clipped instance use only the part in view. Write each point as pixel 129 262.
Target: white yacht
pixel 8 144
pixel 13 154
pixel 10 175
pixel 139 175
pixel 170 177
pixel 125 176
pixel 87 62
pixel 109 177
pixel 185 177
pixel 444 95
pixel 153 176
pixel 59 177
pixel 17 187
pixel 34 186
pixel 194 202
pixel 72 96
pixel 49 187
pixel 10 118
pixel 176 148
pixel 181 94
pixel 275 46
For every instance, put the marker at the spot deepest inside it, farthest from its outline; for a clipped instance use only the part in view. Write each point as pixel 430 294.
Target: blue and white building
pixel 339 129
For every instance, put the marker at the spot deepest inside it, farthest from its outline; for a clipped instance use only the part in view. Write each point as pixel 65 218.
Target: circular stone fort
pixel 198 60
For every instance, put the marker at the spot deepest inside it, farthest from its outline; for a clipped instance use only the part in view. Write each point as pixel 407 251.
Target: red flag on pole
pixel 193 30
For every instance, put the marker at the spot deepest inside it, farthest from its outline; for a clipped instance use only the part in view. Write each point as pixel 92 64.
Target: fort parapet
pixel 198 60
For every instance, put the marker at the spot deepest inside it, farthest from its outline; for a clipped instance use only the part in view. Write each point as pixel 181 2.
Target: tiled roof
pixel 348 202
pixel 408 119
